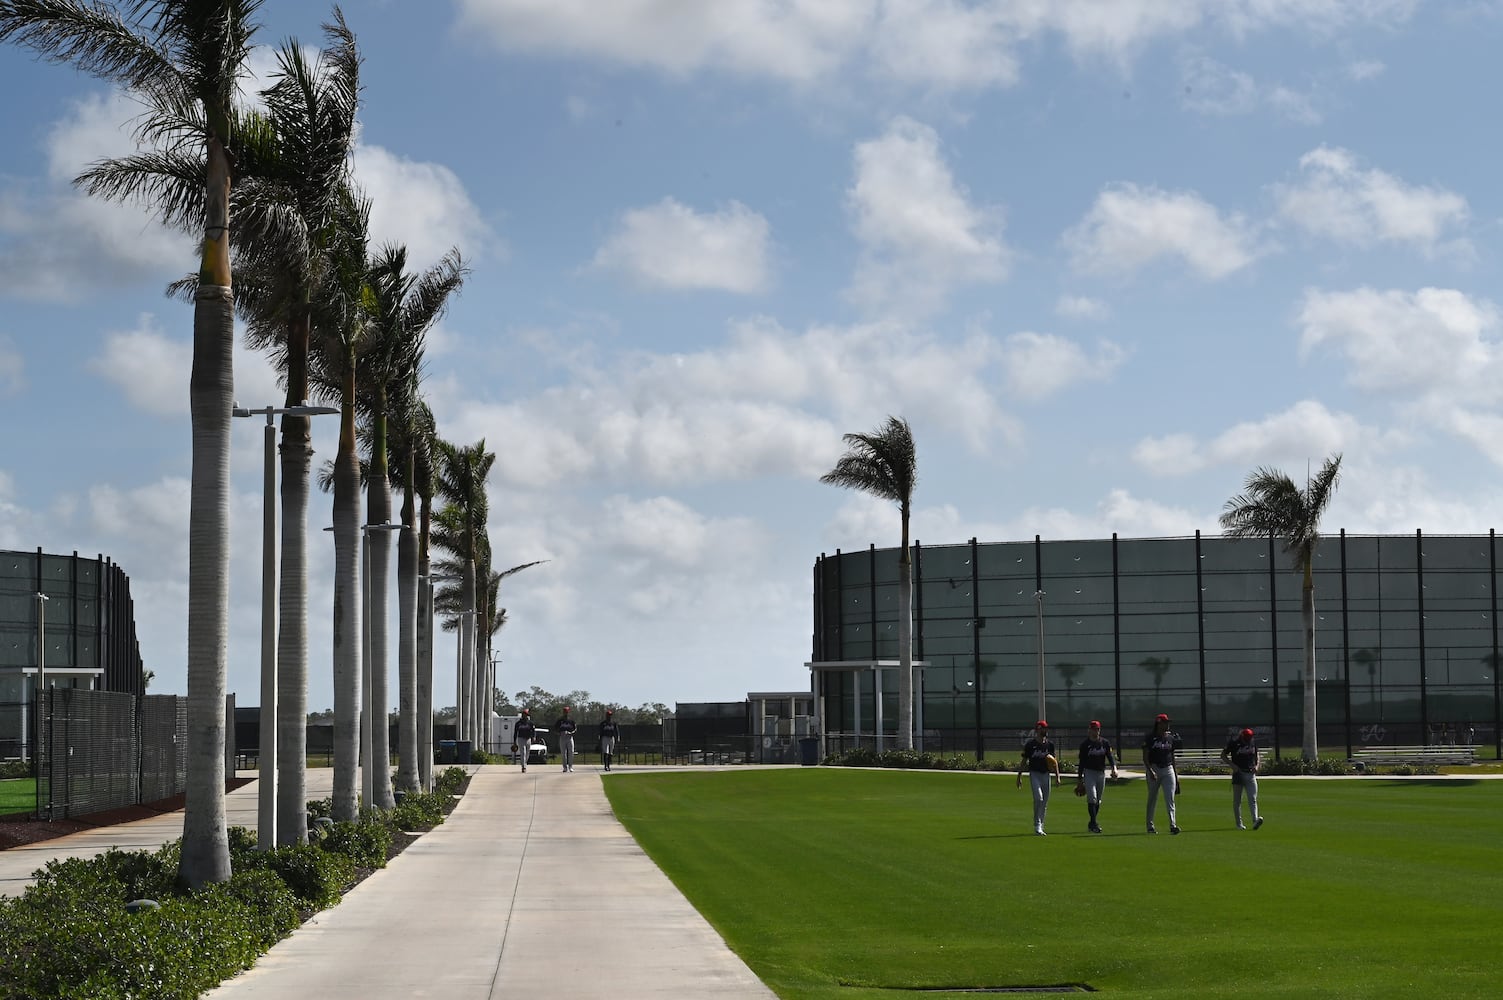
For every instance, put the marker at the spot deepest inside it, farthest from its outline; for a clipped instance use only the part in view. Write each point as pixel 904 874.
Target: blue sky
pixel 1105 257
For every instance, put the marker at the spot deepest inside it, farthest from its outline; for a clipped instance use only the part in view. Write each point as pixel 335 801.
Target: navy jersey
pixel 1160 748
pixel 565 725
pixel 524 729
pixel 1036 754
pixel 1095 755
pixel 1244 755
pixel 609 728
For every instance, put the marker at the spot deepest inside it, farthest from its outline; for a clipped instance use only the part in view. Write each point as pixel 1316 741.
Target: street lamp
pixel 266 792
pixel 1038 597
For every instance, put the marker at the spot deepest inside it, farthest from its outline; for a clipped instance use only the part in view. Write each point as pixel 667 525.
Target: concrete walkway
pixel 531 888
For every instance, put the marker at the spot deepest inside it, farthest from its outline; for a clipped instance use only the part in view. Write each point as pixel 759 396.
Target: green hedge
pixel 72 936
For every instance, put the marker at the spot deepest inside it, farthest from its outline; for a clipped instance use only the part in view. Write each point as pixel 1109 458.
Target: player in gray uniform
pixel 1095 755
pixel 522 733
pixel 565 727
pixel 609 734
pixel 1158 761
pixel 1242 754
pixel 1039 760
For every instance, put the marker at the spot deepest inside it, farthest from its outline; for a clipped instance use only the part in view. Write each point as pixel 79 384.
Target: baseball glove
pixel 513 748
pixel 1079 790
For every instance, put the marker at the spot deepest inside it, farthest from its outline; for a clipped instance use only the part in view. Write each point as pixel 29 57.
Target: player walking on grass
pixel 1158 761
pixel 1243 754
pixel 1039 761
pixel 1095 755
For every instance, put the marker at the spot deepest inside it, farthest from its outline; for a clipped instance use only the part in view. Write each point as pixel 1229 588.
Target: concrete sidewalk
pixel 529 889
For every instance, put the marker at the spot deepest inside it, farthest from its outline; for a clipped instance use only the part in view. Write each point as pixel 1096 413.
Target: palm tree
pixel 885 465
pixel 341 320
pixel 1158 666
pixel 1069 671
pixel 1271 506
pixel 404 306
pixel 289 211
pixel 422 435
pixel 460 476
pixel 184 60
pixel 495 620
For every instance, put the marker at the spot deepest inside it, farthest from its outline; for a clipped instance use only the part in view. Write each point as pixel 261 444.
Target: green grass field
pixel 18 795
pixel 853 884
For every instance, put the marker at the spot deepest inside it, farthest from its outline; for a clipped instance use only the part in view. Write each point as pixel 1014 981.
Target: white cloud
pixel 1211 88
pixel 1041 364
pixel 767 402
pixel 1081 307
pixel 422 205
pixel 1335 198
pixel 1131 227
pixel 1436 341
pixel 796 42
pixel 151 369
pixel 1306 428
pixel 669 245
pixel 50 233
pixel 934 44
pixel 919 232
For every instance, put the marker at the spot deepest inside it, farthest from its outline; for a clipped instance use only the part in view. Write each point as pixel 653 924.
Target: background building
pixel 1207 629
pixel 83 636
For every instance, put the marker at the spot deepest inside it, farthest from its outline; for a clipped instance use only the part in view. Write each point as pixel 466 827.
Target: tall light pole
pixel 1038 597
pixel 41 684
pixel 266 791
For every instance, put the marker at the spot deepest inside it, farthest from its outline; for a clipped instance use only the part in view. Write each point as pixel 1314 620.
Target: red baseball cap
pixel 1247 733
pixel 1161 717
pixel 1041 725
pixel 1095 724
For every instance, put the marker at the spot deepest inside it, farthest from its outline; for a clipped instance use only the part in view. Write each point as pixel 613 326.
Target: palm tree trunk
pixel 1307 612
pixel 206 848
pixel 292 637
pixel 425 657
pixel 905 642
pixel 211 391
pixel 467 655
pixel 407 594
pixel 347 639
pixel 379 491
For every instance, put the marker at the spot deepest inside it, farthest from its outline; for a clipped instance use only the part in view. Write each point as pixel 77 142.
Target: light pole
pixel 42 600
pixel 1038 597
pixel 266 791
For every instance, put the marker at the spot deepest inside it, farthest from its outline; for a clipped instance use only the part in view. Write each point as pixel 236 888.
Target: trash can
pixel 808 751
pixel 462 750
pixel 447 751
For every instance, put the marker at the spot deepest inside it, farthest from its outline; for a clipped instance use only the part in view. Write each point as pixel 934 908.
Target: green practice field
pixel 857 884
pixel 18 795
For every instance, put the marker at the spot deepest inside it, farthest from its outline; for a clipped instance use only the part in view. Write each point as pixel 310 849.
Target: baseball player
pixel 1158 761
pixel 1242 754
pixel 1039 760
pixel 523 733
pixel 1095 755
pixel 565 727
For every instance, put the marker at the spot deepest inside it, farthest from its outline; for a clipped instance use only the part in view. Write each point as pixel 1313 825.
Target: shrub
pixel 450 780
pixel 418 811
pixel 15 769
pixel 316 877
pixel 480 757
pixel 365 843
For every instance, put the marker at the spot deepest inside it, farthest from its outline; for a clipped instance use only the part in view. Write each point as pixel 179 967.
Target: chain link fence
pixel 102 750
